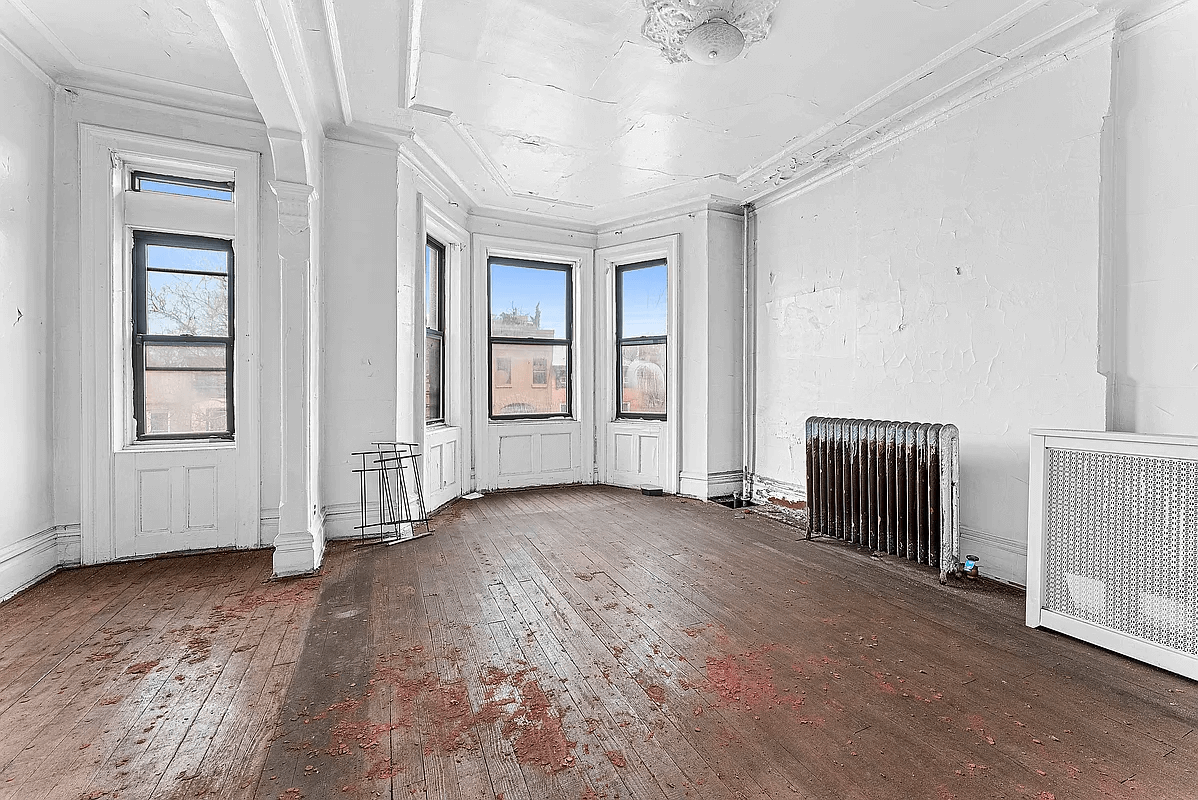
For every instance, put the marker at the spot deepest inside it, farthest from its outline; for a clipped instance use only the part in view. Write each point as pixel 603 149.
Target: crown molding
pixel 536 219
pixel 773 166
pixel 1147 19
pixel 1011 73
pixel 707 203
pixel 117 82
pixel 25 61
pixel 160 105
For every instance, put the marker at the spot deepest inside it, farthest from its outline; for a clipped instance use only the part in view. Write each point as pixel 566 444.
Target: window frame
pixel 567 342
pixel 436 333
pixel 141 238
pixel 622 342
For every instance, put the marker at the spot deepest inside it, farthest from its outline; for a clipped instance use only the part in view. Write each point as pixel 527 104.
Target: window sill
pixel 179 445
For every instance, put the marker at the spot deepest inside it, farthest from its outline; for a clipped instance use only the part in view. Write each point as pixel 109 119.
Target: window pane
pixel 432 378
pixel 169 187
pixel 643 301
pixel 186 305
pixel 187 259
pixel 432 287
pixel 528 302
pixel 185 356
pixel 503 371
pixel 522 394
pixel 185 402
pixel 643 371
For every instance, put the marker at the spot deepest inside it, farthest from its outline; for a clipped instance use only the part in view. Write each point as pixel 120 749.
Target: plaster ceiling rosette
pixel 669 23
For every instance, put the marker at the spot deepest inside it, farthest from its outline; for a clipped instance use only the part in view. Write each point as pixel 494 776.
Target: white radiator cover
pixel 1113 543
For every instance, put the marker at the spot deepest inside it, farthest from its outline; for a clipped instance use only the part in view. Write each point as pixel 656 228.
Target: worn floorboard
pixel 580 642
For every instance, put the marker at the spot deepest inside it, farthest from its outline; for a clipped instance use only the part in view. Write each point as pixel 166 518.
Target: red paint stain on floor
pixel 742 680
pixel 536 731
pixel 884 684
pixel 141 667
pixel 292 592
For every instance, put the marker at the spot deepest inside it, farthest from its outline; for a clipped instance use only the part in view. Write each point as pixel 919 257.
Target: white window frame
pixel 669 249
pixel 107 215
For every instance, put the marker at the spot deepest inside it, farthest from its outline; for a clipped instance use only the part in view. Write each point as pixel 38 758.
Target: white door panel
pixel 441 477
pixel 536 453
pixel 633 450
pixel 175 500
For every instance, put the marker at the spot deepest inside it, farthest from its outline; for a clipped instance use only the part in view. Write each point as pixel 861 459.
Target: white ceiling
pixel 561 106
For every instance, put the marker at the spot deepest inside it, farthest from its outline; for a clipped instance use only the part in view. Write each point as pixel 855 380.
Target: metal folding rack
pixel 392 469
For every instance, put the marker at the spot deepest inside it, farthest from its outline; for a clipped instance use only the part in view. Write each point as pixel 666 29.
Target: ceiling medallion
pixel 706 31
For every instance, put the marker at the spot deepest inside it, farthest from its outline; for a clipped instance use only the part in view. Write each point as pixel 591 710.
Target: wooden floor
pixel 571 643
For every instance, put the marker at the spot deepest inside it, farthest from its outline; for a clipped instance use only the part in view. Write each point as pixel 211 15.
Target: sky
pixel 644 310
pixel 186 258
pixel 524 288
pixel 644 295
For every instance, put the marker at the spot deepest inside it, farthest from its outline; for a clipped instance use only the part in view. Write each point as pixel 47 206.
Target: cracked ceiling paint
pixel 612 119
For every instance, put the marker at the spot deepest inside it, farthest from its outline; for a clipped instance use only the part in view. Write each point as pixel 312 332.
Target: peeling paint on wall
pixel 953 278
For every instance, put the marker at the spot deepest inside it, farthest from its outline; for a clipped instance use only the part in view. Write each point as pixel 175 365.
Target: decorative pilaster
pixel 299 546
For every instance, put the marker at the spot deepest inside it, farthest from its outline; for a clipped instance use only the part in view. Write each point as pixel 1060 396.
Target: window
pixel 191 187
pixel 434 331
pixel 182 336
pixel 641 340
pixel 531 304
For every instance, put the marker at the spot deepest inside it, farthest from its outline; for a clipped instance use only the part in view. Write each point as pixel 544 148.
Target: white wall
pixel 951 278
pixel 1156 243
pixel 27 543
pixel 359 317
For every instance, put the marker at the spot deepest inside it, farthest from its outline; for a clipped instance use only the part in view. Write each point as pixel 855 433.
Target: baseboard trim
pixel 706 485
pixel 999 557
pixel 38 556
pixel 342 519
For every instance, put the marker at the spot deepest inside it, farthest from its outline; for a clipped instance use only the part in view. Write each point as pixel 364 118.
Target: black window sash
pixel 437 333
pixel 567 342
pixel 142 239
pixel 137 177
pixel 621 342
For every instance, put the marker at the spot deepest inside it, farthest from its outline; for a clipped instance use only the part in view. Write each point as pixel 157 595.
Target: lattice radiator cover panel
pixel 1120 547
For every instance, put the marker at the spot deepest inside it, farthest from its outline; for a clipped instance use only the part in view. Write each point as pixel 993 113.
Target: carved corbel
pixel 295 202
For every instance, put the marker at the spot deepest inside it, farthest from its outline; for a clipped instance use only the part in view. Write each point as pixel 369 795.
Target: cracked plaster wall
pixel 25 315
pixel 953 278
pixel 1155 257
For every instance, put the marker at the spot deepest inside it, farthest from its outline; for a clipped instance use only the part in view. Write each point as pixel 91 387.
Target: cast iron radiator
pixel 888 486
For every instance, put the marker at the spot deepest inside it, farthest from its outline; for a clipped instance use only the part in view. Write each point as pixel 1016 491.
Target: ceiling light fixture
pixel 706 31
